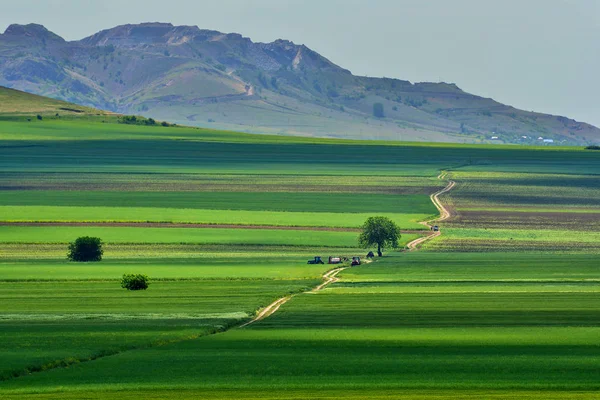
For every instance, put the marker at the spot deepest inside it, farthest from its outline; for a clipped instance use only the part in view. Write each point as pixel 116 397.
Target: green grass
pixel 254 265
pixel 167 299
pixel 46 322
pixel 371 393
pixel 61 234
pixel 291 202
pixel 355 360
pixel 14 102
pixel 477 267
pixel 523 235
pixel 233 217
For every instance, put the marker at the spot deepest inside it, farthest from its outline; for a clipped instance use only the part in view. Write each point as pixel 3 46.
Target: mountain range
pixel 206 78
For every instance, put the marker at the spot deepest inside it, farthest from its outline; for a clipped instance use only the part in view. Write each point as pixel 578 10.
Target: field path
pixel 444 214
pixel 329 278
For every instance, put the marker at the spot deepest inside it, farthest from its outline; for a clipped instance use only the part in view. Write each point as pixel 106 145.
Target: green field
pixel 503 305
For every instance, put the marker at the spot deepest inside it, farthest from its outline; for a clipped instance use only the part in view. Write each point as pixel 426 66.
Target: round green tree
pixel 135 282
pixel 381 232
pixel 85 249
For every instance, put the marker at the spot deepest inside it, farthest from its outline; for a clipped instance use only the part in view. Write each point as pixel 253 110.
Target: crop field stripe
pixel 40 214
pixel 192 225
pixel 329 277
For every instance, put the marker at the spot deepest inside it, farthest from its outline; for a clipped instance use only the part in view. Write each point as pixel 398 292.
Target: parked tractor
pixel 435 228
pixel 355 261
pixel 335 260
pixel 317 260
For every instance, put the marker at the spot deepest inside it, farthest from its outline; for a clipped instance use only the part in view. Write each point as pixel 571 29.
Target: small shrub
pixel 39 117
pixel 135 282
pixel 85 249
pixel 164 123
pixel 593 147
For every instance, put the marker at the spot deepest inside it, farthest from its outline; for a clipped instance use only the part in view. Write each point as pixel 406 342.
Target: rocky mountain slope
pixel 206 78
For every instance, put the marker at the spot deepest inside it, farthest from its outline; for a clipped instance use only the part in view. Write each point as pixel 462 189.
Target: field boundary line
pixel 329 277
pixel 443 211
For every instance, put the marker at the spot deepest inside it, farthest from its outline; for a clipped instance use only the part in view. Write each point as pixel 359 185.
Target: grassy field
pixel 504 304
pixel 362 338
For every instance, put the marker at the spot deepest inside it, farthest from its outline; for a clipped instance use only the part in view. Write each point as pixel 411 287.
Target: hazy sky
pixel 539 55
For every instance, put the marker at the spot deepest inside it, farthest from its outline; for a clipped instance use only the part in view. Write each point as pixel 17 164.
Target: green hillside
pixel 14 102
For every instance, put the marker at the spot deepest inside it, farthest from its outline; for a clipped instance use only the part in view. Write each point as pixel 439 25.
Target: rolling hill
pixel 18 103
pixel 210 79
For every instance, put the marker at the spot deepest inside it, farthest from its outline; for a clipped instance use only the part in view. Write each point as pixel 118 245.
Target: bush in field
pixel 593 147
pixel 135 282
pixel 85 249
pixel 380 231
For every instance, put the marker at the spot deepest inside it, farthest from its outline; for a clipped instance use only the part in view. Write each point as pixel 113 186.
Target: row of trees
pixel 133 120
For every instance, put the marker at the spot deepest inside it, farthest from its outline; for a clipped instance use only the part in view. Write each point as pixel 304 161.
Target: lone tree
pixel 85 249
pixel 380 231
pixel 135 282
pixel 378 110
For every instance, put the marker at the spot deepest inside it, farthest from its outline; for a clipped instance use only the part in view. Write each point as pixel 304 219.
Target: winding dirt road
pixel 444 214
pixel 331 276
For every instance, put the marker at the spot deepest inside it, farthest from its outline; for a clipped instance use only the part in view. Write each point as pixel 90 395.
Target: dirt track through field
pixel 444 215
pixel 331 276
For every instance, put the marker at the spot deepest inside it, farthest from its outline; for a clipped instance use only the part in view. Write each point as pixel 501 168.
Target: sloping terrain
pixel 14 102
pixel 206 78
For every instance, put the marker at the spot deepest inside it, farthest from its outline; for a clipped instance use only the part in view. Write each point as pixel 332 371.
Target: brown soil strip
pixel 528 220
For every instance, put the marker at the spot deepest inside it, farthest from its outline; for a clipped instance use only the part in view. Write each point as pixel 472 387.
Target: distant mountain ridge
pixel 207 78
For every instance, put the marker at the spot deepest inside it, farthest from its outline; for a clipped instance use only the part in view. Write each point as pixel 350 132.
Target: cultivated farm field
pixel 503 304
